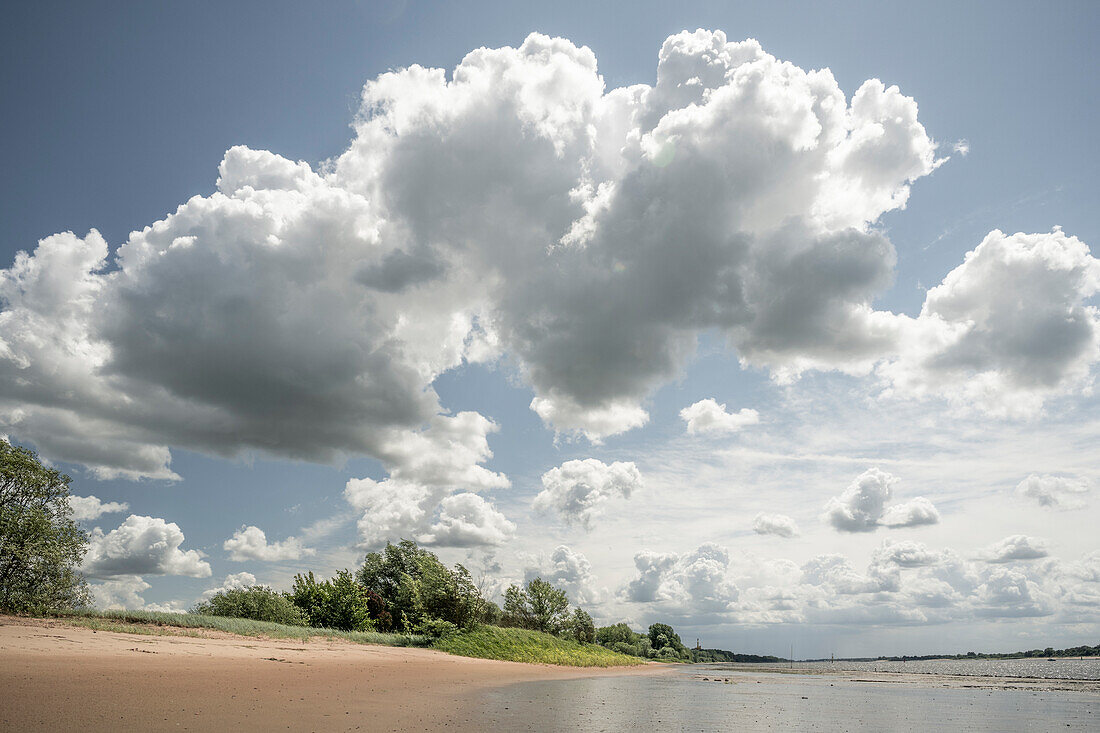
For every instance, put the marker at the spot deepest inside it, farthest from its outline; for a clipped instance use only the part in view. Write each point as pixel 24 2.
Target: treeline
pixel 1048 653
pixel 663 644
pixel 404 589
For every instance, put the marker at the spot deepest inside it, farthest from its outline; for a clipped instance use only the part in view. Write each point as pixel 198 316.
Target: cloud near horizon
pixel 517 207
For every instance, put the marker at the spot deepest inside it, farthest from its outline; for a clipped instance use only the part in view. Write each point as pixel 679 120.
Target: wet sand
pixel 56 676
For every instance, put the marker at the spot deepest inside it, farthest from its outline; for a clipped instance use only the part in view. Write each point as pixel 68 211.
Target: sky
pixel 775 322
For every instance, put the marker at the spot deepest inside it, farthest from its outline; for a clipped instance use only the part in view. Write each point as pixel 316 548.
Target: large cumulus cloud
pixel 141 546
pixel 517 207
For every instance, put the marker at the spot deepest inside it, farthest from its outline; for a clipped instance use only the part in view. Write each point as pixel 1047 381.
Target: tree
pixel 255 602
pixel 417 587
pixel 582 628
pixel 339 603
pixel 662 635
pixel 620 632
pixel 539 606
pixel 40 545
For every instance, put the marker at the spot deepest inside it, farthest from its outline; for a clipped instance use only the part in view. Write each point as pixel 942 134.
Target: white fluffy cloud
pixel 121 592
pixel 86 508
pixel 426 469
pixel 250 543
pixel 232 581
pixel 516 206
pixel 1014 548
pixel 912 513
pixel 468 520
pixel 707 416
pixel 695 584
pixel 777 524
pixel 1007 328
pixel 590 233
pixel 578 490
pixel 1057 492
pixel 570 571
pixel 863 506
pixel 141 546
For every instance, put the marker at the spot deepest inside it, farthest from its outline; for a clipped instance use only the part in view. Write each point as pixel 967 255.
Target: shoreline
pixel 61 676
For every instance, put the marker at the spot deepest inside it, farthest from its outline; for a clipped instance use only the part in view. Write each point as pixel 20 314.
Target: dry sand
pixel 56 676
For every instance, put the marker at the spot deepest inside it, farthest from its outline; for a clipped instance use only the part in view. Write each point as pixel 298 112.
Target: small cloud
pixel 1015 548
pixel 707 416
pixel 913 513
pixel 232 582
pixel 962 147
pixel 778 524
pixel 863 506
pixel 250 543
pixel 87 508
pixel 1056 492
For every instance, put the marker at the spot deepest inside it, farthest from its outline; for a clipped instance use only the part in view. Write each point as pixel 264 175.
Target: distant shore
pixel 60 677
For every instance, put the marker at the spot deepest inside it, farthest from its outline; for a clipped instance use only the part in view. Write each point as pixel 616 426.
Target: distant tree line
pixel 1048 653
pixel 662 643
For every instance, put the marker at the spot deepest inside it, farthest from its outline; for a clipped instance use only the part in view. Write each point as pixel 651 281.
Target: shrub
pixel 256 602
pixel 436 628
pixel 340 603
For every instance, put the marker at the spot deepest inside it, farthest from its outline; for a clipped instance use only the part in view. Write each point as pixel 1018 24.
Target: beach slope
pixel 56 676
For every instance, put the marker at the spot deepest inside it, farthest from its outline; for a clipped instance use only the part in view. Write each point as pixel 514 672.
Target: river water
pixel 750 697
pixel 1056 669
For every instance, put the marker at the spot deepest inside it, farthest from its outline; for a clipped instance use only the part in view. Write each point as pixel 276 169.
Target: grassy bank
pixel 520 645
pixel 154 622
pixel 485 642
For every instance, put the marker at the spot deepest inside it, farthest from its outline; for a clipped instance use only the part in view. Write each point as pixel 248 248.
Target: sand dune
pixel 55 676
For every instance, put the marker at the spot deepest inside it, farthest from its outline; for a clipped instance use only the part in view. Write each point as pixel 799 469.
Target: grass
pixel 178 624
pixel 535 647
pixel 485 642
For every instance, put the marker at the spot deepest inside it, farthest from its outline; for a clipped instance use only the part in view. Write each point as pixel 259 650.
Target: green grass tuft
pixel 125 620
pixel 535 647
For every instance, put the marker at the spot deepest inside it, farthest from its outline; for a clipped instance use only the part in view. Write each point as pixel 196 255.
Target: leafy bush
pixel 435 628
pixel 256 602
pixel 339 603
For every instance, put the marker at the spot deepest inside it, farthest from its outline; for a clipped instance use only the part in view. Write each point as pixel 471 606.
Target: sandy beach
pixel 56 676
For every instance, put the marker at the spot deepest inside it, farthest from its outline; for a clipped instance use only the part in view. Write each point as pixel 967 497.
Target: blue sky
pixel 278 392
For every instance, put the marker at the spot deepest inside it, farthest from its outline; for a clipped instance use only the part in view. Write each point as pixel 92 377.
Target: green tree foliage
pixel 538 605
pixel 581 627
pixel 255 602
pixel 617 633
pixel 417 587
pixel 339 603
pixel 662 635
pixel 40 545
